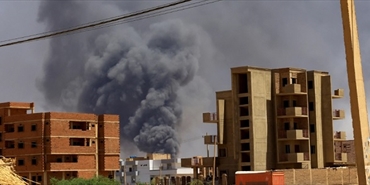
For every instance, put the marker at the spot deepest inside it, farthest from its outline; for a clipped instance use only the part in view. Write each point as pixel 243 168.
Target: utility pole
pixel 356 91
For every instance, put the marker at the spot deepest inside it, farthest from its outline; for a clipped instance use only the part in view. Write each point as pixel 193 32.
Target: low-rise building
pixel 146 169
pixel 59 145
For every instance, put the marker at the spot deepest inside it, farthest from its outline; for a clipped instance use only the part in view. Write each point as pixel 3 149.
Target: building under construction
pixel 274 119
pixel 59 145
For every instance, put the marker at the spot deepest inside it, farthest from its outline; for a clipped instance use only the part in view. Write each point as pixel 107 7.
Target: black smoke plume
pixel 121 71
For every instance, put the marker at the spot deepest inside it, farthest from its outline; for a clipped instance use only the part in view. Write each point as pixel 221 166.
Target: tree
pixel 79 181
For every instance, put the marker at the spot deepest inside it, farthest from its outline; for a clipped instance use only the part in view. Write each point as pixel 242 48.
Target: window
pixel 9 144
pixel 9 127
pixel 285 81
pixel 295 126
pixel 243 83
pixel 77 142
pixel 59 160
pixel 310 84
pixel 244 134
pixel 78 125
pixel 39 178
pixel 1 136
pixel 287 149
pixel 286 126
pixel 244 123
pixel 33 144
pixel 294 103
pixel 20 145
pixel 312 128
pixel 245 147
pixel 222 152
pixel 1 151
pixel 1 120
pixel 20 128
pixel 244 111
pixel 313 149
pixel 20 162
pixel 296 149
pixel 243 101
pixel 130 169
pixel 33 127
pixel 286 103
pixel 246 168
pixel 294 80
pixel 34 161
pixel 311 106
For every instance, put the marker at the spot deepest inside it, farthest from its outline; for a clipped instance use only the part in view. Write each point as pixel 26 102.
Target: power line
pixel 144 14
pixel 91 25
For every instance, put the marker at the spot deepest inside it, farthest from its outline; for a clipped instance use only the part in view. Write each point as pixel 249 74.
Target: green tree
pixel 79 181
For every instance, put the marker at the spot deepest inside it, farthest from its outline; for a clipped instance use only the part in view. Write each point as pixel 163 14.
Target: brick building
pixel 275 119
pixel 60 145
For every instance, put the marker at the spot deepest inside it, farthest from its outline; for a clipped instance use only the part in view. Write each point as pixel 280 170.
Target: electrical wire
pixel 113 21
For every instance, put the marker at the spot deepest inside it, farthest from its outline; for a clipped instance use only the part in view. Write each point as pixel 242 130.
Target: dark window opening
pixel 1 151
pixel 1 136
pixel 1 120
pixel 243 83
pixel 78 125
pixel 74 159
pixel 296 149
pixel 286 103
pixel 20 162
pixel 285 81
pixel 59 160
pixel 20 145
pixel 222 152
pixel 286 126
pixel 312 128
pixel 287 149
pixel 33 144
pixel 77 142
pixel 246 168
pixel 9 128
pixel 244 123
pixel 295 126
pixel 33 127
pixel 9 144
pixel 311 106
pixel 130 169
pixel 34 161
pixel 294 103
pixel 20 128
pixel 310 84
pixel 244 134
pixel 246 158
pixel 313 149
pixel 294 80
pixel 39 178
pixel 245 147
pixel 244 111
pixel 243 101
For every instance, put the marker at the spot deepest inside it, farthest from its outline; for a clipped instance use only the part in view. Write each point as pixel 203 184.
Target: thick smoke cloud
pixel 136 75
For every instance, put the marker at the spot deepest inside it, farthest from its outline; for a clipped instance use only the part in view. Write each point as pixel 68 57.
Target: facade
pixel 275 119
pixel 146 169
pixel 59 145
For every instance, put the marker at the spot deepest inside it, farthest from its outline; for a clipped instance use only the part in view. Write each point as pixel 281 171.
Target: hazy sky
pixel 304 34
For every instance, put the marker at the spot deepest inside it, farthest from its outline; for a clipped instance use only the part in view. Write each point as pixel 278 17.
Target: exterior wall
pixel 229 160
pixel 329 176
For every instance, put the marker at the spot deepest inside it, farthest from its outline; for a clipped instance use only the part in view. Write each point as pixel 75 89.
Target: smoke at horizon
pixel 138 75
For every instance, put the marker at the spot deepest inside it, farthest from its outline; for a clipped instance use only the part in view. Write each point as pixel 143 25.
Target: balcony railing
pixel 338 114
pixel 292 111
pixel 339 135
pixel 338 93
pixel 209 117
pixel 291 89
pixel 293 134
pixel 294 157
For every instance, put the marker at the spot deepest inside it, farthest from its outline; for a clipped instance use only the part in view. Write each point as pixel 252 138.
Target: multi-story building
pixel 274 119
pixel 59 145
pixel 146 169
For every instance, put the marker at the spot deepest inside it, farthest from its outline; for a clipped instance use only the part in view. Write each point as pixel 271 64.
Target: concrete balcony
pixel 338 114
pixel 210 139
pixel 292 112
pixel 340 157
pixel 210 117
pixel 294 157
pixel 340 135
pixel 338 93
pixel 293 134
pixel 198 161
pixel 292 89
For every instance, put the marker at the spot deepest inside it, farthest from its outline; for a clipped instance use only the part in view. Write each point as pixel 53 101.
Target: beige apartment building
pixel 275 119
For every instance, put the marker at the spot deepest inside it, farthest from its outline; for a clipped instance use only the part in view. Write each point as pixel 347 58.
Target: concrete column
pixel 224 179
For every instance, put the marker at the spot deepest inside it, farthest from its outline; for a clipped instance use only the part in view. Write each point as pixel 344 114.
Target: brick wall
pixel 329 176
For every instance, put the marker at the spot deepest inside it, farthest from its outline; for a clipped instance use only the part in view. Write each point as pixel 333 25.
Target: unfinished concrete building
pixel 59 145
pixel 273 119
